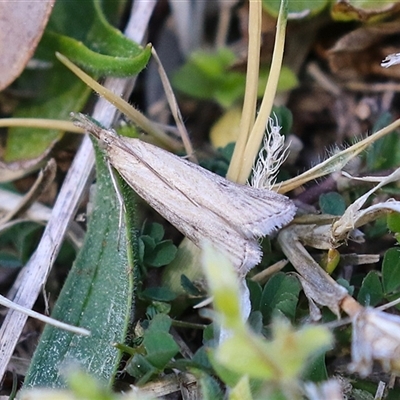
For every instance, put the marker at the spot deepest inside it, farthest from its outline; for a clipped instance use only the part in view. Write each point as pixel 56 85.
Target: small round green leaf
pixel 371 292
pixel 391 270
pixel 332 203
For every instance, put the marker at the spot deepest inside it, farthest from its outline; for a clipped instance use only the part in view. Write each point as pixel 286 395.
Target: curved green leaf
pixel 131 62
pixel 298 6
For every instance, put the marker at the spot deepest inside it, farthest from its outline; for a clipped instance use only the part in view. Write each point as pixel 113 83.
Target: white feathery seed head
pixel 271 156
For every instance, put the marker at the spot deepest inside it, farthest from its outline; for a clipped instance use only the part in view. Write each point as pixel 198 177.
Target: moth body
pixel 199 203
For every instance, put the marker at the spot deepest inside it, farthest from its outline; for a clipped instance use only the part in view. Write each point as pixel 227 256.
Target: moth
pixel 199 203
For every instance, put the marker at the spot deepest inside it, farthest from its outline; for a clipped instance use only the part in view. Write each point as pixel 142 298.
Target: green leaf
pixel 242 390
pixel 223 285
pixel 298 6
pixel 255 321
pixel 158 294
pixel 377 228
pixel 209 333
pixel 157 307
pixel 230 89
pixel 187 262
pixel 160 322
pixel 391 271
pixel 227 375
pixel 287 80
pixel 154 251
pixel 22 238
pixel 160 347
pixel 332 203
pixel 285 118
pixel 255 290
pixel 97 295
pixel 210 389
pixel 143 243
pixel 281 359
pixel 163 254
pixel 371 292
pixel 393 222
pixel 280 293
pixel 201 358
pixel 148 243
pixel 61 94
pixel 316 369
pixel 9 260
pixel 126 63
pixel 380 154
pixel 91 41
pixel 155 230
pixel 140 368
pixel 206 76
pixel 346 284
pixel 209 76
pixel 189 287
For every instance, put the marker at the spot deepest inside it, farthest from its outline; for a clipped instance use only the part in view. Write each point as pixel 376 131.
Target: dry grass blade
pixel 47 320
pixel 242 163
pixel 45 178
pixel 335 162
pixel 355 217
pixel 136 116
pixel 173 104
pixel 250 96
pixel 65 126
pixel 317 284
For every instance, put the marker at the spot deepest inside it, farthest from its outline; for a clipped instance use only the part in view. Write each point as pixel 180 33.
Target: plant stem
pixel 41 123
pixel 256 135
pixel 250 96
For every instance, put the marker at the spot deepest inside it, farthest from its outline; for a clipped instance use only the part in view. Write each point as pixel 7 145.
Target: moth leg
pixel 120 199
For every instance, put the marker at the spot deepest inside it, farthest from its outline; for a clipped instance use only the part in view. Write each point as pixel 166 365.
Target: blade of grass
pixel 136 116
pixel 47 320
pixel 41 123
pixel 257 133
pixel 173 105
pixel 250 96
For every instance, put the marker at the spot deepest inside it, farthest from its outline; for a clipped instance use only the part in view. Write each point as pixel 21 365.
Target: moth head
pixel 93 127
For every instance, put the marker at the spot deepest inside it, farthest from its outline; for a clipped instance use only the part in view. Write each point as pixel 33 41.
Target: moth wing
pixel 189 217
pixel 252 212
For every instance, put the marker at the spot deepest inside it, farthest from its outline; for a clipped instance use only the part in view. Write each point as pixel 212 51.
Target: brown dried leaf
pixel 317 284
pixel 21 27
pixel 359 53
pixel 43 181
pixel 12 171
pixel 366 11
